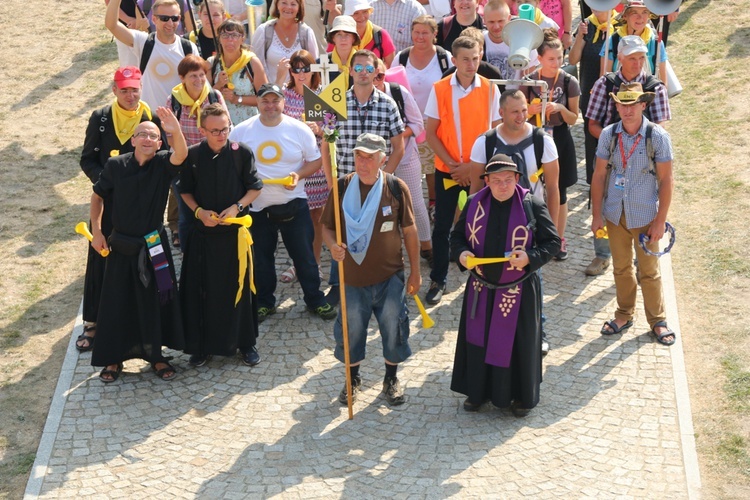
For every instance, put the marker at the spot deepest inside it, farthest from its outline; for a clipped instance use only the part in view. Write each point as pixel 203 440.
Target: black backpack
pixel 177 107
pixel 442 55
pixel 537 138
pixel 398 96
pixel 613 80
pixel 148 48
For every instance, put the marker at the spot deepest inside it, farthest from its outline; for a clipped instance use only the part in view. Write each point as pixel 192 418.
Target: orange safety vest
pixel 474 112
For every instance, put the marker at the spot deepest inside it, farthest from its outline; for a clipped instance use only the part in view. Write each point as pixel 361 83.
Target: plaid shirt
pixel 601 106
pixel 379 116
pixel 189 124
pixel 396 19
pixel 639 195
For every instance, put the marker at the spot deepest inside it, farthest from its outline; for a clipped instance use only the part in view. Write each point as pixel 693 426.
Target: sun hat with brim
pixel 632 4
pixel 631 93
pixel 346 24
pixel 499 163
pixel 370 144
pixel 353 6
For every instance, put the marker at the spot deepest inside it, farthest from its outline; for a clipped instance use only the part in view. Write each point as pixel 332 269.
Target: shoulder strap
pixel 538 138
pixel 650 152
pixel 268 36
pixel 302 39
pixel 394 187
pixel 447 25
pixel 528 208
pixel 442 57
pixel 187 47
pixel 176 107
pixel 148 48
pixel 490 140
pixel 398 96
pixel 615 42
pixel 377 37
pixel 651 83
pixel 212 97
pixel 566 83
pixel 403 58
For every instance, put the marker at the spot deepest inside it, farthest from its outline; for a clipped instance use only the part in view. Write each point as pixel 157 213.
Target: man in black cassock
pixel 498 352
pixel 139 310
pixel 219 306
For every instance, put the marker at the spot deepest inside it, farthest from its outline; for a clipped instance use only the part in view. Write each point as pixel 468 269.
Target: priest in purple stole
pixel 498 352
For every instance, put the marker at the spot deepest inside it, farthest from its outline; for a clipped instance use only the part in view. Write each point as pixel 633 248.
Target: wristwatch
pixel 239 100
pixel 240 206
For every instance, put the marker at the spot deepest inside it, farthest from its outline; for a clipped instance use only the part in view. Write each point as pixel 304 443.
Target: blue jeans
pixel 297 233
pixel 601 248
pixel 387 300
pixel 445 211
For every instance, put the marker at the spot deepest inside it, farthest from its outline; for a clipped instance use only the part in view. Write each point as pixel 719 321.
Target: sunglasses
pixel 164 19
pixel 369 68
pixel 380 77
pixel 302 69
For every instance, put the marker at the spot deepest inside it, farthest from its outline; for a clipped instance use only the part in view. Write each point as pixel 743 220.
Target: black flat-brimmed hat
pixel 499 163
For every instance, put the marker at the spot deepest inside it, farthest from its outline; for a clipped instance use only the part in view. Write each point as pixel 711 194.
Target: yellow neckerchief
pixel 538 16
pixel 184 98
pixel 645 36
pixel 367 37
pixel 126 121
pixel 344 68
pixel 244 254
pixel 592 19
pixel 239 64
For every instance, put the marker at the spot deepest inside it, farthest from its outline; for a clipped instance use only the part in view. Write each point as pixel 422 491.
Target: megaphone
pixel 522 36
pixel 662 7
pixel 603 5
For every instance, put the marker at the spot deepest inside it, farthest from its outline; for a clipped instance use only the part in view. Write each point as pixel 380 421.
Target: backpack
pixel 268 37
pixel 613 80
pixel 442 55
pixel 177 107
pixel 398 96
pixel 148 48
pixel 248 69
pixel 650 152
pixel 447 25
pixel 616 40
pixel 377 37
pixel 515 150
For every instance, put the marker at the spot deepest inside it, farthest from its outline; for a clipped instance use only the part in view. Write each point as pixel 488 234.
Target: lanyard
pixel 632 149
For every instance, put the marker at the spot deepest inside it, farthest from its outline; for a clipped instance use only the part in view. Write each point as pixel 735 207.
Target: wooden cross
pixel 325 69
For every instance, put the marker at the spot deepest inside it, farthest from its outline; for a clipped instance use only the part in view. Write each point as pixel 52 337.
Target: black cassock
pixel 520 381
pixel 132 322
pixel 210 269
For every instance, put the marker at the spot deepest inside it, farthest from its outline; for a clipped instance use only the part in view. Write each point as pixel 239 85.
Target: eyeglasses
pixel 369 68
pixel 164 19
pixel 301 69
pixel 217 132
pixel 231 36
pixel 379 77
pixel 147 135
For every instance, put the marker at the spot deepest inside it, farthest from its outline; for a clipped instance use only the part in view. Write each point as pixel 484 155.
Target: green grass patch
pixel 737 386
pixel 733 450
pixel 18 465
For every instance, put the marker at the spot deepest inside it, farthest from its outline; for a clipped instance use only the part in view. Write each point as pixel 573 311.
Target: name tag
pixel 619 181
pixel 387 226
pixel 153 251
pixel 387 211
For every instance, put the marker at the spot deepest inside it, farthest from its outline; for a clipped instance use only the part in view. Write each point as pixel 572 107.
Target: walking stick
pixel 192 20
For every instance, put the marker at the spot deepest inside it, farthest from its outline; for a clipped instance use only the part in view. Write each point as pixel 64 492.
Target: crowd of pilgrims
pixel 222 57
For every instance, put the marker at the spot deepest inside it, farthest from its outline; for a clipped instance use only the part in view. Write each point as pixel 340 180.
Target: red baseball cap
pixel 129 76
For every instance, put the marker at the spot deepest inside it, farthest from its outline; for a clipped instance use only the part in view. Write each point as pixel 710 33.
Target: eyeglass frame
pixel 357 68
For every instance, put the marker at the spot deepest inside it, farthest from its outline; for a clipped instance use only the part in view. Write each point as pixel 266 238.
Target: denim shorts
pixel 387 300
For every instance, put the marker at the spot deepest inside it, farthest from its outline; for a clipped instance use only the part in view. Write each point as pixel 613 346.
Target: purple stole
pixel 507 302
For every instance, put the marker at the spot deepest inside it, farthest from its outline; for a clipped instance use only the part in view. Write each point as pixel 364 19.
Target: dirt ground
pixel 58 62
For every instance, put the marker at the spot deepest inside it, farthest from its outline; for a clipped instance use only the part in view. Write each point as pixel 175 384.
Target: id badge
pixel 387 226
pixel 619 181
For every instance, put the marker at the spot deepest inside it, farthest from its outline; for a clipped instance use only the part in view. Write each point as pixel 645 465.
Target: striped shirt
pixel 396 19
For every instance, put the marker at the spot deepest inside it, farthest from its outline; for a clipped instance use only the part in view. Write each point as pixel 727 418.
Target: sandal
pixel 665 333
pixel 289 276
pixel 166 373
pixel 611 328
pixel 108 376
pixel 89 339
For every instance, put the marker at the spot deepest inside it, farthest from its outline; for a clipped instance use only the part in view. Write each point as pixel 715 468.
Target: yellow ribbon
pixel 645 36
pixel 126 121
pixel 239 64
pixel 538 15
pixel 182 96
pixel 592 19
pixel 244 254
pixel 367 37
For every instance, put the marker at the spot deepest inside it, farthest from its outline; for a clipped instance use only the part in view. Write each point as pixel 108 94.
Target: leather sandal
pixel 108 376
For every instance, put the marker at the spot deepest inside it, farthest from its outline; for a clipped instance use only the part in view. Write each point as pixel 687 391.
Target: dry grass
pixel 58 74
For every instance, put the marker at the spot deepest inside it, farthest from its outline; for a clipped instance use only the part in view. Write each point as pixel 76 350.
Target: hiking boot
pixel 250 357
pixel 325 311
pixel 198 360
pixel 356 386
pixel 393 393
pixel 435 293
pixel 563 253
pixel 333 296
pixel 264 312
pixel 597 267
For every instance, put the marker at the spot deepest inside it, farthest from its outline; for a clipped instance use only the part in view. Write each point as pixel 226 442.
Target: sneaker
pixel 333 296
pixel 393 393
pixel 563 253
pixel 250 357
pixel 545 345
pixel 356 387
pixel 264 312
pixel 597 267
pixel 325 311
pixel 435 293
pixel 198 360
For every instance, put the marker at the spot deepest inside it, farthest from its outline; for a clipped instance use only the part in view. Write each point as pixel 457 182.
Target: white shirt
pixel 421 80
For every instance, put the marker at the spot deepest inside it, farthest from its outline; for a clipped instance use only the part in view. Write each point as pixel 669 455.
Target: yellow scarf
pixel 645 36
pixel 239 64
pixel 600 26
pixel 244 254
pixel 344 68
pixel 184 98
pixel 538 16
pixel 366 38
pixel 126 121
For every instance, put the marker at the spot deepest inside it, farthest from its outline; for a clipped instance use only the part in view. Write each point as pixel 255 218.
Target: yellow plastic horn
pixel 284 181
pixel 83 229
pixel 535 176
pixel 245 220
pixel 479 261
pixel 449 183
pixel 602 233
pixel 538 116
pixel 427 322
